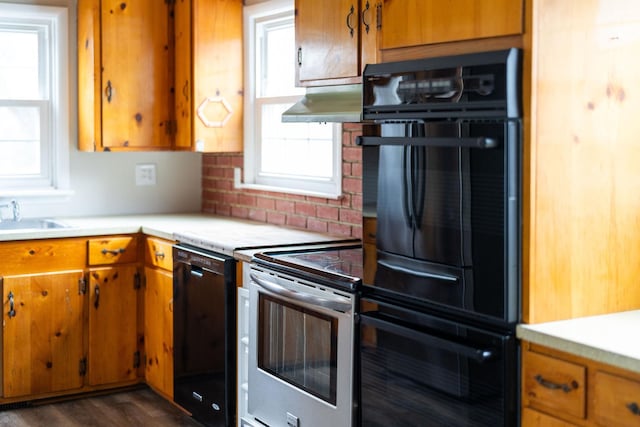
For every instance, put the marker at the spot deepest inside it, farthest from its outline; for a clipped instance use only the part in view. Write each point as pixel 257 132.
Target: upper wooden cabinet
pixel 209 75
pixel 408 23
pixel 160 75
pixel 334 40
pixel 125 89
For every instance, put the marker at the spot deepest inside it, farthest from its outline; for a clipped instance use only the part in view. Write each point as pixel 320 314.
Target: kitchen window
pixel 301 158
pixel 34 99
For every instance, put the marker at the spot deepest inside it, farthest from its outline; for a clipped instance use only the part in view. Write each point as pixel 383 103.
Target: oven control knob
pixel 215 406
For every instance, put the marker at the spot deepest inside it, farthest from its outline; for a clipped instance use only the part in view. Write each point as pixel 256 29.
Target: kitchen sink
pixel 32 224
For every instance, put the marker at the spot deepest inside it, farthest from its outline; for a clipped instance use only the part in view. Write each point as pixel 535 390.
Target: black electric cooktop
pixel 338 267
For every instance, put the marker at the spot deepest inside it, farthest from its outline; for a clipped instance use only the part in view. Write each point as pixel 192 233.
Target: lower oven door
pixel 421 370
pixel 301 343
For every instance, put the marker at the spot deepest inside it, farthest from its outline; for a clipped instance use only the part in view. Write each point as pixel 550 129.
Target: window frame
pixel 254 15
pixel 55 105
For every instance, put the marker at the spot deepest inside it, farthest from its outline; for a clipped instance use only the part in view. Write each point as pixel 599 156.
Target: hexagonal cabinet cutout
pixel 214 112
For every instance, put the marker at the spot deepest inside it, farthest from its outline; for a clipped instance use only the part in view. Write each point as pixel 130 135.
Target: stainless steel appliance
pixel 437 324
pixel 204 289
pixel 301 339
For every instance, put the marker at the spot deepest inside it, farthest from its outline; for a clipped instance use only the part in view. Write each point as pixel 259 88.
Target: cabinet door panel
pixel 136 87
pixel 327 47
pixel 158 330
pixel 415 22
pixel 42 339
pixel 112 324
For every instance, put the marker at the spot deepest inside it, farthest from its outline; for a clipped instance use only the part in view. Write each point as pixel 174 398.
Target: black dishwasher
pixel 204 334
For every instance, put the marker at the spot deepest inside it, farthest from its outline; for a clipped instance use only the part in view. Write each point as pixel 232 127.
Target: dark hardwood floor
pixel 140 407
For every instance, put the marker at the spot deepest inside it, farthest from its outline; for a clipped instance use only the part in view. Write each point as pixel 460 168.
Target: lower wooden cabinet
pixel 561 389
pixel 73 322
pixel 113 349
pixel 42 333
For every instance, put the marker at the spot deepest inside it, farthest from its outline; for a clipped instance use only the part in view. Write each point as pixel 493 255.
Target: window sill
pixel 239 185
pixel 39 194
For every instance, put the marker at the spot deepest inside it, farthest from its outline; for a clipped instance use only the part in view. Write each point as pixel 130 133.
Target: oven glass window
pixel 299 346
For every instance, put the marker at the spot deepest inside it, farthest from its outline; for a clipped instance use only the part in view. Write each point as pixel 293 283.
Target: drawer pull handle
pixel 634 408
pixel 112 251
pixel 554 386
pixel 159 255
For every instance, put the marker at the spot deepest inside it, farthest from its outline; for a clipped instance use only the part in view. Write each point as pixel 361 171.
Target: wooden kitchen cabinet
pixel 158 315
pixel 208 75
pixel 408 23
pixel 562 389
pixel 113 355
pixel 334 40
pixel 42 333
pixel 125 87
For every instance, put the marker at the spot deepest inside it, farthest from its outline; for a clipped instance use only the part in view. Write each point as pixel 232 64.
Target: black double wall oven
pixel 437 341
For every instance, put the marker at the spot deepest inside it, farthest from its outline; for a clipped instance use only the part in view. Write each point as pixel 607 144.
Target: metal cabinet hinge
pixel 378 15
pixel 82 286
pixel 136 359
pixel 170 2
pixel 137 281
pixel 83 367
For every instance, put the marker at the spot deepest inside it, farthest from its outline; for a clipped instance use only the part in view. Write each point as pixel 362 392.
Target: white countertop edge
pixel 571 337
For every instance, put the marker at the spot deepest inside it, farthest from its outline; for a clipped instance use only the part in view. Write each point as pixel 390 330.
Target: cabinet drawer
pixel 554 384
pixel 616 400
pixel 531 418
pixel 157 253
pixel 114 250
pixel 39 256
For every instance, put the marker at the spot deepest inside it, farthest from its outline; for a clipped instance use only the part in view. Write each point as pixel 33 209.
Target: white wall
pixel 103 183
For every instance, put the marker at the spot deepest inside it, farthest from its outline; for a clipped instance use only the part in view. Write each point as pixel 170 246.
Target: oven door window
pixel 299 346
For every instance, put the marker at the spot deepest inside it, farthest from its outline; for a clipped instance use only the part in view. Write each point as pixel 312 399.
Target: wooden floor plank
pixel 131 408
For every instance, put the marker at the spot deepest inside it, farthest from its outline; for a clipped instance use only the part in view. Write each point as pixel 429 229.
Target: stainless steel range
pixel 301 352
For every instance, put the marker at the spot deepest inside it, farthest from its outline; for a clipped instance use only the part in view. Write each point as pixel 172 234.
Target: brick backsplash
pixel 340 217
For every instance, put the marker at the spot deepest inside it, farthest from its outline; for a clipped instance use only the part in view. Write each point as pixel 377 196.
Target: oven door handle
pixel 423 274
pixel 477 354
pixel 330 303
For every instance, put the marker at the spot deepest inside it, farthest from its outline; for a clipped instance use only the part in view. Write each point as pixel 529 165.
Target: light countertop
pixel 607 338
pixel 221 234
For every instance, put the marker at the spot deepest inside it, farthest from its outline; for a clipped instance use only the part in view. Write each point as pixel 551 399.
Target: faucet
pixel 15 210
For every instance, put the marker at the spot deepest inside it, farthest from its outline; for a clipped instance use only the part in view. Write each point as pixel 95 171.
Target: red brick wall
pixel 341 217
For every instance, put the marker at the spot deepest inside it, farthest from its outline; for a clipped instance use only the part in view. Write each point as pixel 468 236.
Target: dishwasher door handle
pixel 336 304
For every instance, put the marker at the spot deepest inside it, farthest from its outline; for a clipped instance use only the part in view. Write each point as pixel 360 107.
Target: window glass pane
pixel 299 149
pixel 19 141
pixel 279 73
pixel 19 64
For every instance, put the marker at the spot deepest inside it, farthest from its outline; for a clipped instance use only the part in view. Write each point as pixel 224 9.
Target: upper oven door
pixel 300 351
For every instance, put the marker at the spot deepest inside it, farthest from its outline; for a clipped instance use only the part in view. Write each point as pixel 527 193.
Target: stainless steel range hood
pixel 328 104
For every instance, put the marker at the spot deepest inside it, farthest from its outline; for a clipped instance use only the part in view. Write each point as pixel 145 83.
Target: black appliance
pixel 437 323
pixel 204 334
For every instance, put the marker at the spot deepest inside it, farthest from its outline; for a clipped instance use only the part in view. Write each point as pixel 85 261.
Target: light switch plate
pixel 145 174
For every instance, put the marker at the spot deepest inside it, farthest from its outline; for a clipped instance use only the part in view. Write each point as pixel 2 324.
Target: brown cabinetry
pixel 408 23
pixel 160 75
pixel 42 333
pixel 124 75
pixel 562 389
pixel 158 315
pixel 334 40
pixel 209 75
pixel 70 316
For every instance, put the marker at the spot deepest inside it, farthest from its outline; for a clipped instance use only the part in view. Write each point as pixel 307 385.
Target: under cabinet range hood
pixel 338 104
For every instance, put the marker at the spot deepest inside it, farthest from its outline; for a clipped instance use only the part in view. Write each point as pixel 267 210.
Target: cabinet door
pixel 415 22
pixel 158 330
pixel 327 35
pixel 113 355
pixel 135 80
pixel 208 75
pixel 42 333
